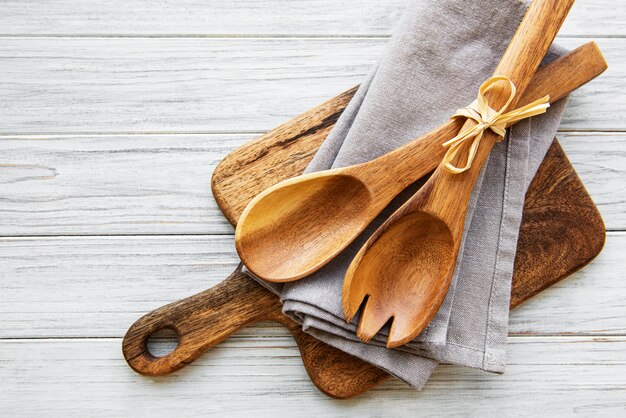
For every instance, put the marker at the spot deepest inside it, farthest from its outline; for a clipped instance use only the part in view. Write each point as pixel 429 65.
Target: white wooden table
pixel 113 115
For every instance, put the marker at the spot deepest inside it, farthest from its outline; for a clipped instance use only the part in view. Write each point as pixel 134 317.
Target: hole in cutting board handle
pixel 162 342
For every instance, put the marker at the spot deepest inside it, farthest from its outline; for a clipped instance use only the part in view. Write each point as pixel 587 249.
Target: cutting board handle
pixel 203 320
pixel 200 322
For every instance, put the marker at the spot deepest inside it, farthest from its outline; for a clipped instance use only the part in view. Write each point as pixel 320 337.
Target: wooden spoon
pixel 297 226
pixel 404 270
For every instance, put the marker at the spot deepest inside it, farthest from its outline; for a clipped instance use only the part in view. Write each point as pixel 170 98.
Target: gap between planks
pixel 227 36
pixel 264 325
pixel 69 135
pixel 616 233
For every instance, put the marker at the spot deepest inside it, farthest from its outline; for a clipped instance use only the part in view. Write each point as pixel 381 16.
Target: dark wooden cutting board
pixel 561 232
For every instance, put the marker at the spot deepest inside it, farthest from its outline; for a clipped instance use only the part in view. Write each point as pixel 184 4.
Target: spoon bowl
pixel 277 221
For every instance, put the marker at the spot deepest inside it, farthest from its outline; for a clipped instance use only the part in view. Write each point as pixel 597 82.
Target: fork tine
pixel 373 318
pixel 351 302
pixel 404 330
pixel 350 307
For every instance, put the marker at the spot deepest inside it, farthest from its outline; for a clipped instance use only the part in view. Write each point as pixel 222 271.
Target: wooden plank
pixel 77 287
pixel 147 85
pixel 100 184
pixel 98 286
pixel 160 184
pixel 251 17
pixel 545 377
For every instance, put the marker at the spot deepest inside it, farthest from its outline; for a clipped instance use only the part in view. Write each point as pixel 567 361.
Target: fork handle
pixel 519 63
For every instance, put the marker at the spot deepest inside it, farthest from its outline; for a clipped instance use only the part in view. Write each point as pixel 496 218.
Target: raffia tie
pixel 488 118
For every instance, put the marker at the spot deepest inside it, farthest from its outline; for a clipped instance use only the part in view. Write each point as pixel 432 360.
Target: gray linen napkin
pixel 438 57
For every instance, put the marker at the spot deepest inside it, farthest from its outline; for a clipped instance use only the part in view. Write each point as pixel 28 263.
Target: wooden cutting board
pixel 561 232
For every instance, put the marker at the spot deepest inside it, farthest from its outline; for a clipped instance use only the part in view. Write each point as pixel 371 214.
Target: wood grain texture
pixel 547 376
pixel 251 18
pixel 199 85
pixel 560 227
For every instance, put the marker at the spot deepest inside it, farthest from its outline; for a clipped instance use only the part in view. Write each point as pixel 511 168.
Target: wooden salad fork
pixel 294 228
pixel 402 274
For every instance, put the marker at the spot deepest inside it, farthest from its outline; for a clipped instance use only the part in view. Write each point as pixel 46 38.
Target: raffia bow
pixel 488 118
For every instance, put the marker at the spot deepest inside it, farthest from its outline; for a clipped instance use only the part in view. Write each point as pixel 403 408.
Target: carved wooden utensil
pixel 402 273
pixel 294 228
pixel 561 232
